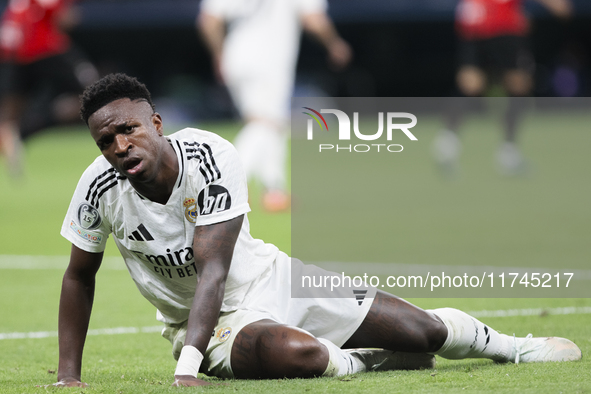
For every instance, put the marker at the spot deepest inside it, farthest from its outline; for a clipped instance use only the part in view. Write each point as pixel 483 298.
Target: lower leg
pixel 469 338
pixel 514 114
pixel 10 137
pixel 518 84
pixel 470 82
pixel 509 157
pixel 262 147
pixel 394 324
pixel 249 143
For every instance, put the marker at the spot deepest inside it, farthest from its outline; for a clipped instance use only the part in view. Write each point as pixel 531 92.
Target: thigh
pixel 290 294
pixel 510 53
pixel 11 79
pixel 395 324
pixel 469 53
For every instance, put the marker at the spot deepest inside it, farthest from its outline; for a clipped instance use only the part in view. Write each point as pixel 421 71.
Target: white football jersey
pixel 155 240
pixel 262 35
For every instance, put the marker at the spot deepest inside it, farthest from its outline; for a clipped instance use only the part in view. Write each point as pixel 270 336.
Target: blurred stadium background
pixel 402 48
pixel 396 44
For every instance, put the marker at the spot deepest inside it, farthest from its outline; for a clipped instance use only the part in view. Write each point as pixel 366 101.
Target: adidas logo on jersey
pixel 136 235
pixel 360 295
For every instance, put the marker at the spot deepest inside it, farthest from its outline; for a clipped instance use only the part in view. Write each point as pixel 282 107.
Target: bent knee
pixel 272 351
pixel 435 334
pixel 471 81
pixel 293 354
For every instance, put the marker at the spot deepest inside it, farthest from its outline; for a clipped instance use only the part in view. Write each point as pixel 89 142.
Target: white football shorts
pixel 335 318
pixel 261 95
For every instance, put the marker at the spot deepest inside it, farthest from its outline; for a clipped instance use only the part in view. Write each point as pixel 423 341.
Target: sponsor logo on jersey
pixel 86 235
pixel 190 209
pixel 224 334
pixel 170 259
pixel 173 264
pixel 213 199
pixel 88 216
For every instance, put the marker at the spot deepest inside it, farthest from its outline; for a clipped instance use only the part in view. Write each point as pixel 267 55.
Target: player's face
pixel 129 135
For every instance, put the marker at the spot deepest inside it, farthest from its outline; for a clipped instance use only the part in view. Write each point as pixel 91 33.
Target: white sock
pixel 470 338
pixel 340 362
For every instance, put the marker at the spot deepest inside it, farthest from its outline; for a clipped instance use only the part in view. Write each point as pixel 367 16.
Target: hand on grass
pixel 66 382
pixel 187 381
pixel 70 382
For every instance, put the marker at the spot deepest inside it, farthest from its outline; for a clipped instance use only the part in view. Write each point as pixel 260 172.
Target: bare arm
pixel 213 248
pixel 560 8
pixel 321 27
pixel 213 32
pixel 74 313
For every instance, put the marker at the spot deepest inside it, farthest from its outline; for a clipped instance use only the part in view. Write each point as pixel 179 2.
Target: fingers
pixel 70 383
pixel 65 383
pixel 188 381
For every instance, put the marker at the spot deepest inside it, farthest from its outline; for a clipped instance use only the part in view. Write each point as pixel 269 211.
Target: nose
pixel 122 144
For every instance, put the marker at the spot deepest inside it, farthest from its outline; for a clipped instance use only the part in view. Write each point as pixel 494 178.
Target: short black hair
pixel 110 88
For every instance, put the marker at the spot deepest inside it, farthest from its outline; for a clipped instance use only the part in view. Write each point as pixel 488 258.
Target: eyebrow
pixel 117 127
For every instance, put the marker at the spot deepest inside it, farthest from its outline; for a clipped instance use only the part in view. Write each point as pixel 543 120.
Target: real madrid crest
pixel 224 333
pixel 190 209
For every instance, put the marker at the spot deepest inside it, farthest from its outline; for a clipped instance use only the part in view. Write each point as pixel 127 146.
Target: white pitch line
pixel 29 262
pixel 572 310
pixel 396 269
pixel 96 331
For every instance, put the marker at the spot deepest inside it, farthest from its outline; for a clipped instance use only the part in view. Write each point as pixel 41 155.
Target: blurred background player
pixel 493 42
pixel 40 75
pixel 254 46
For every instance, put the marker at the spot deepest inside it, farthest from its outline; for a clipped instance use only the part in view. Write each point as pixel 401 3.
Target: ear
pixel 157 122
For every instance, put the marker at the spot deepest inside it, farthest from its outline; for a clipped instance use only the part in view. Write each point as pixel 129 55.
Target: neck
pixel 160 188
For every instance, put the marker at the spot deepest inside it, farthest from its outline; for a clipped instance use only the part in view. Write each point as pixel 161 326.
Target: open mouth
pixel 132 166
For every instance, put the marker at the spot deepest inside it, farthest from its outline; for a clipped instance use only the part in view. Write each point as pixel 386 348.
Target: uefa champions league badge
pixel 190 209
pixel 88 217
pixel 224 333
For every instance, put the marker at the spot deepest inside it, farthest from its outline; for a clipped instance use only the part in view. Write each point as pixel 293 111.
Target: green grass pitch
pixel 32 209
